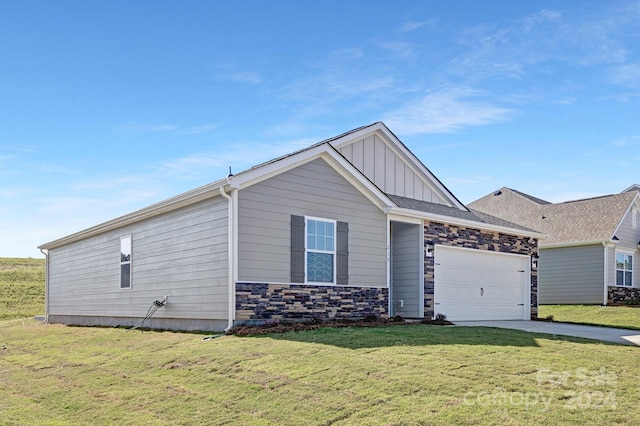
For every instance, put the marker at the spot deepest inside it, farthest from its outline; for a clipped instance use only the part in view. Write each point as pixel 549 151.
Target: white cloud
pixel 148 127
pixel 411 26
pixel 445 111
pixel 626 75
pixel 151 127
pixel 238 156
pixel 530 22
pixel 627 142
pixel 400 49
pixel 196 130
pixel 245 77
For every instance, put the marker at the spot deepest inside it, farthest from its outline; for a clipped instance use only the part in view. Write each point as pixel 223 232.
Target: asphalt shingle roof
pixel 439 209
pixel 591 219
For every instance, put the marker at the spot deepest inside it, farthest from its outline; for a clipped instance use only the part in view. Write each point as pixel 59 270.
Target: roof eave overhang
pixel 185 199
pixel 465 222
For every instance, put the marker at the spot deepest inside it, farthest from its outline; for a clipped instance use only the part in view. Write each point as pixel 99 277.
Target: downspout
pixel 230 233
pixel 46 285
pixel 606 265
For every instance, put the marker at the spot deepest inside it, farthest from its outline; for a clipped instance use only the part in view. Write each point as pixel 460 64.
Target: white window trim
pixel 125 263
pixel 306 249
pixel 634 218
pixel 615 267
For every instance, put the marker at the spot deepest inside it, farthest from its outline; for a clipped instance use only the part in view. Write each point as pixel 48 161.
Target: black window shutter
pixel 297 249
pixel 342 253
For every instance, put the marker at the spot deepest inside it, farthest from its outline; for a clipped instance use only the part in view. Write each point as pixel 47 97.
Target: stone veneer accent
pixel 461 236
pixel 623 295
pixel 261 301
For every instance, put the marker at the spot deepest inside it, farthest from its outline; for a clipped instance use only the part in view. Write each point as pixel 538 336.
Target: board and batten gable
pixel 571 275
pixel 181 254
pixel 312 189
pixel 387 168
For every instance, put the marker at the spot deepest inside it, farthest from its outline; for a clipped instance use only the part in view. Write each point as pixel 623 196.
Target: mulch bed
pixel 295 326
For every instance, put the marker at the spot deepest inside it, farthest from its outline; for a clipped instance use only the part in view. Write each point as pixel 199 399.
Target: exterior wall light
pixel 428 248
pixel 534 261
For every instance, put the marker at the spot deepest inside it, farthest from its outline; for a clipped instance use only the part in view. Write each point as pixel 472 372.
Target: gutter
pixel 46 285
pixel 464 222
pixel 576 243
pixel 231 251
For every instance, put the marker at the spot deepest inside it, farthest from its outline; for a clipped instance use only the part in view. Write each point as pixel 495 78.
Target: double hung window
pixel 624 270
pixel 321 250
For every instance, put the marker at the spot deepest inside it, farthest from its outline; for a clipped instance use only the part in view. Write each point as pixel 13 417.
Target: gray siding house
pixel 351 226
pixel 590 251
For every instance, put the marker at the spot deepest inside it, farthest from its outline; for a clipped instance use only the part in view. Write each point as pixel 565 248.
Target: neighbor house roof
pixel 634 187
pixel 573 222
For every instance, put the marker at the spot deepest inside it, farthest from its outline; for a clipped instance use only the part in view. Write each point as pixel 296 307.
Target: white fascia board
pixel 464 222
pixel 325 152
pixel 414 163
pixel 634 203
pixel 576 244
pixel 259 174
pixel 185 199
pixel 405 219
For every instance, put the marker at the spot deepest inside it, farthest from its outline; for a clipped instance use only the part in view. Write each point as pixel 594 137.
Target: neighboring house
pixel 352 226
pixel 590 252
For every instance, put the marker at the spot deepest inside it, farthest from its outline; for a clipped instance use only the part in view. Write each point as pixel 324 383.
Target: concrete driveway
pixel 606 334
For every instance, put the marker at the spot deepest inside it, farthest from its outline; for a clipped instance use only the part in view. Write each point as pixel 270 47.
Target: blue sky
pixel 109 106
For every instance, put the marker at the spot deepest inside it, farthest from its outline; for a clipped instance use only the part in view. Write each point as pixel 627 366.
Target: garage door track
pixel 606 334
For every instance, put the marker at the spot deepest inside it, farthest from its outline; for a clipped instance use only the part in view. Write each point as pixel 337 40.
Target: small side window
pixel 125 262
pixel 634 218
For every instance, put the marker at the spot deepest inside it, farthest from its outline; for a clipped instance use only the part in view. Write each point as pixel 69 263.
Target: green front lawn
pixel 610 316
pixel 393 375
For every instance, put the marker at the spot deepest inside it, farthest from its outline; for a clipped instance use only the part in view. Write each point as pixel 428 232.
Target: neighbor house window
pixel 624 270
pixel 125 262
pixel 320 250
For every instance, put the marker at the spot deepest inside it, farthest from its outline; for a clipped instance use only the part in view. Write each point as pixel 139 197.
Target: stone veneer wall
pixel 261 301
pixel 623 295
pixel 461 236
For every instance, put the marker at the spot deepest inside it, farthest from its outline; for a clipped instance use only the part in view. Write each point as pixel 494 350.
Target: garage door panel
pixel 477 285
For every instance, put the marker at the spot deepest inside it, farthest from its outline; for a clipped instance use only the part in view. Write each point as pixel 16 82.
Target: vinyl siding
pixel 406 284
pixel 628 238
pixel 313 189
pixel 571 275
pixel 182 254
pixel 388 170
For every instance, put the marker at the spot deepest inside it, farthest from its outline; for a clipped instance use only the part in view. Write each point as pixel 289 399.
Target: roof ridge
pixel 622 194
pixel 529 197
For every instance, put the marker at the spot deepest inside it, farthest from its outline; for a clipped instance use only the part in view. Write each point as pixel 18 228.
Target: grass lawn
pixel 21 288
pixel 610 316
pixel 393 375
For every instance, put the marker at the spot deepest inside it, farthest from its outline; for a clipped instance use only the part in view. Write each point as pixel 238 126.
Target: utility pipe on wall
pixel 231 250
pixel 46 285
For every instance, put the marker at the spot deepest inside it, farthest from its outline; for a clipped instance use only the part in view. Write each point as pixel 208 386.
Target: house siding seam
pixel 460 236
pixel 263 301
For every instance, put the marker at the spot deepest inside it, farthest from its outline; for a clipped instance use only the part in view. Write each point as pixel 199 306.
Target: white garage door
pixel 480 285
